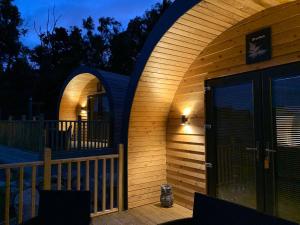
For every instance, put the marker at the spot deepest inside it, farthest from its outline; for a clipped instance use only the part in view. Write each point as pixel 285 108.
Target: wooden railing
pixel 22 134
pixel 102 175
pixel 58 135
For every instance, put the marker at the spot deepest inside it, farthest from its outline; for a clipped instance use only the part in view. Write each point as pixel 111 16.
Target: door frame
pixel 287 70
pixel 210 132
pixel 265 130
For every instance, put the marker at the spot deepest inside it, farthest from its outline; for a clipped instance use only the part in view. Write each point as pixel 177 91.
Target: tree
pixel 126 46
pixel 41 72
pixel 10 29
pixel 16 75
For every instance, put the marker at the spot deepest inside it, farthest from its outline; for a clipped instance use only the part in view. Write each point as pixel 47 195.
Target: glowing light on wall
pixel 187 129
pixel 83 112
pixel 187 111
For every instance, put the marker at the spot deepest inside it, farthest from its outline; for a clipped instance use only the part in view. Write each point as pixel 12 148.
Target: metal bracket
pixel 207 126
pixel 207 88
pixel 208 165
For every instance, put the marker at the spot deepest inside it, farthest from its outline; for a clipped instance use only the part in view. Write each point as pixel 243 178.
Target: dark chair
pixel 63 208
pixel 212 211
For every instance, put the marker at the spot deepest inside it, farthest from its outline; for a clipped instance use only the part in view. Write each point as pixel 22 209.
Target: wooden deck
pixel 145 215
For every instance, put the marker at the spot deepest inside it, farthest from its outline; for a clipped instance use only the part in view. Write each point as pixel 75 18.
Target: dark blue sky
pixel 71 12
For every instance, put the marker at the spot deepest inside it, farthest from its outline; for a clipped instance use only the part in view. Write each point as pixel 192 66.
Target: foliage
pixel 41 71
pixel 10 27
pixel 126 46
pixel 15 70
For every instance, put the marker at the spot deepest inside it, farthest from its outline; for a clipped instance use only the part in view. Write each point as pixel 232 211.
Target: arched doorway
pixel 94 100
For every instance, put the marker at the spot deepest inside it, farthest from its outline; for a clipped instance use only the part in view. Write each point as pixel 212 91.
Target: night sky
pixel 71 12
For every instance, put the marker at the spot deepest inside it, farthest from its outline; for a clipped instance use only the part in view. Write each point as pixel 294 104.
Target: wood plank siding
pixel 75 95
pixel 207 41
pixel 82 83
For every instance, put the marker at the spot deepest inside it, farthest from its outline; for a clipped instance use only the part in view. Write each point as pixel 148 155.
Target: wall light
pixel 184 120
pixel 187 111
pixel 83 111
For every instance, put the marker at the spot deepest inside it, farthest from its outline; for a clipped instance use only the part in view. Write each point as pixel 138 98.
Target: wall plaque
pixel 259 46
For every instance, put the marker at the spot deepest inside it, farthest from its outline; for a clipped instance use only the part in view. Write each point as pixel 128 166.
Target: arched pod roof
pixel 182 33
pixel 114 84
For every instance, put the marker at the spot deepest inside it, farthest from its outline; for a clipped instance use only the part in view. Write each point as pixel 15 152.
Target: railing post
pixel 47 169
pixel 121 178
pixel 7 196
pixel 79 133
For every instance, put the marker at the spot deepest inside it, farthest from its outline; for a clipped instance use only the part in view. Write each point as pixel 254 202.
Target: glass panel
pixel 286 106
pixel 234 135
pixel 98 107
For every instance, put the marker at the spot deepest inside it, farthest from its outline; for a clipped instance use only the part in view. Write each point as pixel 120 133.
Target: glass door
pixel 234 149
pixel 253 140
pixel 283 142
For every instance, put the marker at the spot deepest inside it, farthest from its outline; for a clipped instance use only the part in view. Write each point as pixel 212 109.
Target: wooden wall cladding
pixel 224 56
pixel 75 94
pixel 151 146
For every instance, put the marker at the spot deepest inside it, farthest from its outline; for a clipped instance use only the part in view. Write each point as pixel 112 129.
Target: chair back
pixel 64 208
pixel 212 211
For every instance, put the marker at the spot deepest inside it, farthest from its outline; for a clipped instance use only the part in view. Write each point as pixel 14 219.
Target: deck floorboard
pixel 145 215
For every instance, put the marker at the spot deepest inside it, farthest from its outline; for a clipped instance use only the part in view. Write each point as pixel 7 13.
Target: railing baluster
pixel 73 135
pixel 7 196
pixel 61 131
pixel 121 178
pixel 88 141
pixel 52 134
pixel 78 176
pixel 101 135
pixel 91 134
pixel 96 186
pixel 69 176
pixel 76 135
pixel 56 123
pixel 21 188
pixel 96 134
pixel 104 185
pixel 83 134
pixel 68 135
pixel 79 131
pixel 111 183
pixel 105 135
pixel 33 190
pixel 59 176
pixel 87 176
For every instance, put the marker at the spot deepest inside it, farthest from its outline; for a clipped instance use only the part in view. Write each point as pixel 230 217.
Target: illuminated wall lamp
pixel 184 120
pixel 83 111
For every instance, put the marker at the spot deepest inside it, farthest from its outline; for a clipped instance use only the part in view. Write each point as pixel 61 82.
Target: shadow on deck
pixel 144 215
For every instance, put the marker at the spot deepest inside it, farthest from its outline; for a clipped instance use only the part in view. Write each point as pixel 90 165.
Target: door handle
pixel 268 149
pixel 253 149
pixel 268 157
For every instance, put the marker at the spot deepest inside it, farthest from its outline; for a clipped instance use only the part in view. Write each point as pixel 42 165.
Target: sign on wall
pixel 259 46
